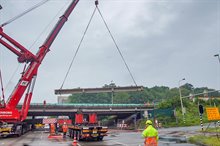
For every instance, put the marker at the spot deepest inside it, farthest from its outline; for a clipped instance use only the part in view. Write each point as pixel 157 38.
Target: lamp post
pixel 112 86
pixel 217 55
pixel 181 101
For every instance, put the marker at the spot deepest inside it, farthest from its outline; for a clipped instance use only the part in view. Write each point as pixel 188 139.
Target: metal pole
pixel 201 123
pixel 181 102
pixel 112 97
pixel 217 55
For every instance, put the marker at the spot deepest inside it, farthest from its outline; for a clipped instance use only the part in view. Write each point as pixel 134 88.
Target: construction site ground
pixel 114 138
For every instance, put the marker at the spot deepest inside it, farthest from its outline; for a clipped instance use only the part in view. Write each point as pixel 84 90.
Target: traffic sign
pixel 212 113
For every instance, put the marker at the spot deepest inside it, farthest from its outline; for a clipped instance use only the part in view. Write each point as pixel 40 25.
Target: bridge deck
pixel 99 90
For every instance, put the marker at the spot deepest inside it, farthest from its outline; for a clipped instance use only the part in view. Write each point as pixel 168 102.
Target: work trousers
pixel 150 141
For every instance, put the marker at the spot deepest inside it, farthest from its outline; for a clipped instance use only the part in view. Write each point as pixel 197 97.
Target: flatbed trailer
pixel 83 130
pixel 88 132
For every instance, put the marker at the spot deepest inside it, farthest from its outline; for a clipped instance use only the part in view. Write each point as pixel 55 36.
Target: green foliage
pixel 90 98
pixel 165 96
pixel 205 140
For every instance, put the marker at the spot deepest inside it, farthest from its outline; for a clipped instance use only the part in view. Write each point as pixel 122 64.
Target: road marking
pixel 41 137
pixel 120 143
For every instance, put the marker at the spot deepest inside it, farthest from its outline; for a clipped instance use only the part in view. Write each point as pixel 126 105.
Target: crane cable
pixel 2 89
pixel 77 50
pixel 116 45
pixel 13 19
pixel 18 16
pixel 25 12
pixel 96 3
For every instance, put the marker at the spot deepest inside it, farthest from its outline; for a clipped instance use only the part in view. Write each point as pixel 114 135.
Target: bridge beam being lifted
pixel 99 90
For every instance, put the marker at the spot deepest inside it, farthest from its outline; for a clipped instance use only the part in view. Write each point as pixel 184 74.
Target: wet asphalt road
pixel 117 138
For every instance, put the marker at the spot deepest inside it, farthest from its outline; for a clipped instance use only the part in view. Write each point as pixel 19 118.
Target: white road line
pixel 41 135
pixel 120 143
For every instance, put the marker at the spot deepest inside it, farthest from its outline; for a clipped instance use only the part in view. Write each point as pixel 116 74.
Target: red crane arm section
pixel 23 55
pixel 23 83
pixel 10 112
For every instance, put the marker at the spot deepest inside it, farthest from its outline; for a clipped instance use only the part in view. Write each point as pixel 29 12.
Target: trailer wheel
pixel 100 138
pixel 70 133
pixel 77 135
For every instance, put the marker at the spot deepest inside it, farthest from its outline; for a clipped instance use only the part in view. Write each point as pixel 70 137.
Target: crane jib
pixel 9 113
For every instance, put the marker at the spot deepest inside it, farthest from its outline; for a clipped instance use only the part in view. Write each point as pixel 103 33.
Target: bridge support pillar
pixel 33 125
pixel 135 122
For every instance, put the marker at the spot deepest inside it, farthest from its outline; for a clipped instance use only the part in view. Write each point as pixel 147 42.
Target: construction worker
pixel 150 134
pixel 52 129
pixel 65 129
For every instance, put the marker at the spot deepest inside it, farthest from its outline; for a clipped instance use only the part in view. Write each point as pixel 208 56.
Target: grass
pixel 205 140
pixel 217 129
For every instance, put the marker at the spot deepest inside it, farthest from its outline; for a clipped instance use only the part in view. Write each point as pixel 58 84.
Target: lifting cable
pixel 18 66
pixel 44 30
pixel 116 44
pixel 2 89
pixel 96 3
pixel 25 12
pixel 77 50
pixel 13 19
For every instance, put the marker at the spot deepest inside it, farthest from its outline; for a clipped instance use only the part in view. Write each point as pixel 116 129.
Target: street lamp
pixel 181 101
pixel 217 55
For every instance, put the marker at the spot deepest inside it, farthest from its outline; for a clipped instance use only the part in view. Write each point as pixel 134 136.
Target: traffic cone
pixel 74 141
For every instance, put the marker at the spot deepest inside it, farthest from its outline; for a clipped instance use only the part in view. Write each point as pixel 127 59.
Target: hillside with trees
pixel 155 94
pixel 164 98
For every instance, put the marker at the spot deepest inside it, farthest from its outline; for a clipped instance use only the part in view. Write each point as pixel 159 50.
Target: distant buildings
pixel 207 98
pixel 62 99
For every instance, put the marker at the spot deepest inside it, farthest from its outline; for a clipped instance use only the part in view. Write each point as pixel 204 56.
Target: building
pixel 62 99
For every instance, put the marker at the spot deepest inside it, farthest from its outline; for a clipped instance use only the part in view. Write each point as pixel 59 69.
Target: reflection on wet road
pixel 116 138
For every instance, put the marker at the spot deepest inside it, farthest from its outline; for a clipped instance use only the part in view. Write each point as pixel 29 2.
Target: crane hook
pixel 96 2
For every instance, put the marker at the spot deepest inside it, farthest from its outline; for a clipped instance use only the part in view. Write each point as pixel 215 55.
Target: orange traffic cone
pixel 74 142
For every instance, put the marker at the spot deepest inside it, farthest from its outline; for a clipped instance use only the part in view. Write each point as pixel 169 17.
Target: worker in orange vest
pixel 65 129
pixel 52 129
pixel 150 134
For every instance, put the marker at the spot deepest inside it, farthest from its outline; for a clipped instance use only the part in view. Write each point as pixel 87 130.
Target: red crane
pixel 8 110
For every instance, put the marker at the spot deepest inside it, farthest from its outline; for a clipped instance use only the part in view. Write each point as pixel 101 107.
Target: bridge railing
pixel 71 105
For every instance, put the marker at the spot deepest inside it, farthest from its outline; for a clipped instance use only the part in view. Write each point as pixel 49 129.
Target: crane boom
pixel 9 113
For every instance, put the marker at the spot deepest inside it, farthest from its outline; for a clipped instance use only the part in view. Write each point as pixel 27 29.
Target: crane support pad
pixel 99 90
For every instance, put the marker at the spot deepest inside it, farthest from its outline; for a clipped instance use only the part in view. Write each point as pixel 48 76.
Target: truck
pixel 12 118
pixel 84 129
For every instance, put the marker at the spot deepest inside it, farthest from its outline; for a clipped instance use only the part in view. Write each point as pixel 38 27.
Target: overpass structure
pixel 71 109
pixel 120 110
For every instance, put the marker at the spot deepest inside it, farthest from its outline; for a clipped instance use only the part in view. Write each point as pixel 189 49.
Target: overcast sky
pixel 162 42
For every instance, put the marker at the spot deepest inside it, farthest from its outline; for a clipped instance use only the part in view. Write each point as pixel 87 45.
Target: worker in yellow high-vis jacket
pixel 150 134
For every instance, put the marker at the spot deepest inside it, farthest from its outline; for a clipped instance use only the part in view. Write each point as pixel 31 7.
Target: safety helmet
pixel 148 122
